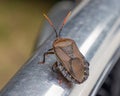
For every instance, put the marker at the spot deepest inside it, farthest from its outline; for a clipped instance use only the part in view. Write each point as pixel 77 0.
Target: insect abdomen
pixel 71 60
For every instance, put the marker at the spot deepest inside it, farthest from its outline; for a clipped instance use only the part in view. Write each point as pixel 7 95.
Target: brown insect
pixel 70 62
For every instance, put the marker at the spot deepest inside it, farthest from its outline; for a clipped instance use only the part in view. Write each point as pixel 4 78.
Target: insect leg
pixel 55 67
pixel 50 49
pixel 60 82
pixel 46 53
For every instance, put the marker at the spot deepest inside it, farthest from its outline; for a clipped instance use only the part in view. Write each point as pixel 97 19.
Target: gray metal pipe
pixel 95 28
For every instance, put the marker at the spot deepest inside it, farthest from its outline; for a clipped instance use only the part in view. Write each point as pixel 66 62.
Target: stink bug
pixel 70 62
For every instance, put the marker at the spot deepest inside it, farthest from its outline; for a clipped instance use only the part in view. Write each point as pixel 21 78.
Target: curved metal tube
pixel 96 30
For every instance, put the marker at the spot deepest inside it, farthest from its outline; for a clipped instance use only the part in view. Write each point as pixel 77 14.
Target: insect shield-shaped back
pixel 72 64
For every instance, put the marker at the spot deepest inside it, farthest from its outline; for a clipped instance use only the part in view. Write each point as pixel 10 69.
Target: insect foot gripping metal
pixel 70 62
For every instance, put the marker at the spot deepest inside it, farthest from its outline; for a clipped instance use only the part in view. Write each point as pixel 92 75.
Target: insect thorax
pixel 68 50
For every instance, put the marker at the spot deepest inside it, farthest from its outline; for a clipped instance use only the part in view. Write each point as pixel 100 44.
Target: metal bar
pixel 95 28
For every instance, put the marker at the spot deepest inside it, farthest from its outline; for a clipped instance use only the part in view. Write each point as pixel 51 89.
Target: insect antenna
pixel 50 22
pixel 64 22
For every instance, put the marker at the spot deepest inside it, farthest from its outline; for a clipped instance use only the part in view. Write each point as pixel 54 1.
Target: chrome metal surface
pixel 96 31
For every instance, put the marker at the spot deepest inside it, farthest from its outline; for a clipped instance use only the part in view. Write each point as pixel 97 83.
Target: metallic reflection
pixel 55 91
pixel 93 37
pixel 99 40
pixel 100 61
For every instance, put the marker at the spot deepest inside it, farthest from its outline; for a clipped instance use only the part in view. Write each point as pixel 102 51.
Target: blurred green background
pixel 20 23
